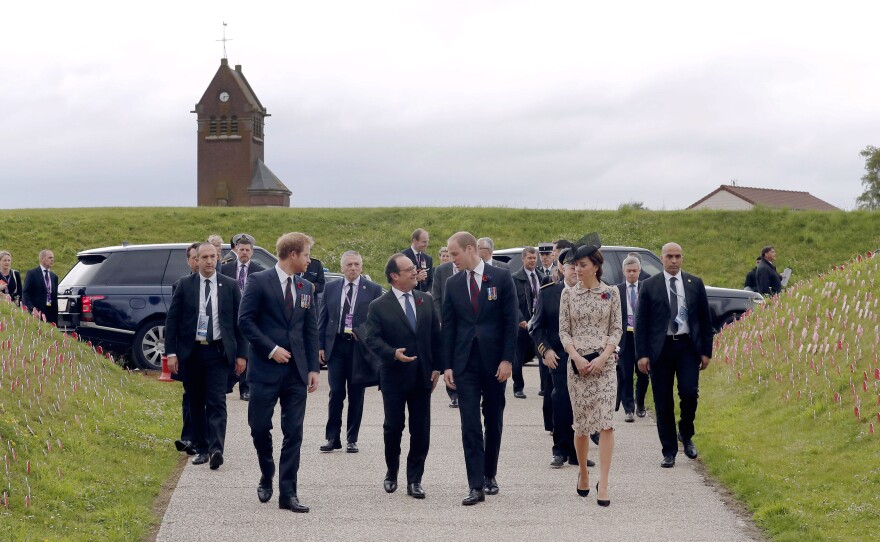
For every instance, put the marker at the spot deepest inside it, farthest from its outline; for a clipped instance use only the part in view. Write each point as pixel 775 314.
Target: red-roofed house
pixel 741 198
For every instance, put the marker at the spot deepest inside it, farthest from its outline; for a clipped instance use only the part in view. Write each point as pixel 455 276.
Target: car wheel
pixel 149 345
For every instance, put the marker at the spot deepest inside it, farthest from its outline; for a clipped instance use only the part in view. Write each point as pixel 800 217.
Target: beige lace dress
pixel 590 319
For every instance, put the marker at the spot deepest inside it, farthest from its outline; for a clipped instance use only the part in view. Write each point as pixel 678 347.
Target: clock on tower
pixel 230 146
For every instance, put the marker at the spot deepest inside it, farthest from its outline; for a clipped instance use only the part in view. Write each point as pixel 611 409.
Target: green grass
pixel 770 427
pixel 720 246
pixel 805 477
pixel 98 439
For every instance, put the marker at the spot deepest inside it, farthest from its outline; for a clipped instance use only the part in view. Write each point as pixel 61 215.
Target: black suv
pixel 117 297
pixel 725 304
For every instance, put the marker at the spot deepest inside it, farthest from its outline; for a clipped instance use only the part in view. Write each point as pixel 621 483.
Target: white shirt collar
pixel 356 282
pixel 282 276
pixel 480 268
pixel 399 294
pixel 668 276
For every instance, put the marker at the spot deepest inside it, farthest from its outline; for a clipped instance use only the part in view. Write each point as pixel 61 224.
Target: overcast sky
pixel 539 104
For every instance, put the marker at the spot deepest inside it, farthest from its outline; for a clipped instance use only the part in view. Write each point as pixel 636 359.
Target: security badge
pixel 492 293
pixel 349 320
pixel 202 328
pixel 305 301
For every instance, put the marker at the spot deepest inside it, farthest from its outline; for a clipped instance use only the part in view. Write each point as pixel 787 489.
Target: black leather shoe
pixel 595 438
pixel 491 487
pixel 352 447
pixel 629 418
pixel 601 502
pixel 519 394
pixel 330 446
pixel 200 459
pixel 292 504
pixel 540 393
pixel 185 446
pixel 689 449
pixel 668 461
pixel 453 403
pixel 641 412
pixel 557 462
pixel 264 490
pixel 581 492
pixel 390 483
pixel 246 396
pixel 415 490
pixel 591 463
pixel 216 460
pixel 473 497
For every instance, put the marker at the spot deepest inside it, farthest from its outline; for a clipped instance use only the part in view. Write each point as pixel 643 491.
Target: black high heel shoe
pixel 599 501
pixel 581 492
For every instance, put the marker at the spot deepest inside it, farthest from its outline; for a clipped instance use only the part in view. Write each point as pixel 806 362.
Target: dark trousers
pixel 291 393
pixel 206 389
pixel 418 402
pixel 628 368
pixel 476 385
pixel 186 428
pixel 525 351
pixel 339 371
pixel 547 388
pixel 678 361
pixel 563 418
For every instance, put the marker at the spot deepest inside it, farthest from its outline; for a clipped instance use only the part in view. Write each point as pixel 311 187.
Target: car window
pixel 134 268
pixel 650 264
pixel 177 267
pixel 262 257
pixel 84 272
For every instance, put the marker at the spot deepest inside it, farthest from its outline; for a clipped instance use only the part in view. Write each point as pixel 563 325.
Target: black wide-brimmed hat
pixel 583 247
pixel 562 255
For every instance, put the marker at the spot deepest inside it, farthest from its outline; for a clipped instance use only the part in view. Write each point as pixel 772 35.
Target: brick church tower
pixel 231 170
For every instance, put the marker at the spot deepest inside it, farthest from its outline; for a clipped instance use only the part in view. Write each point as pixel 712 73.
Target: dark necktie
pixel 241 277
pixel 48 282
pixel 673 304
pixel 288 299
pixel 208 311
pixel 346 308
pixel 633 300
pixel 410 313
pixel 534 290
pixel 475 292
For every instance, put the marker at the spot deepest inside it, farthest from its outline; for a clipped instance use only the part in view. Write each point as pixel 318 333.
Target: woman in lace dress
pixel 590 329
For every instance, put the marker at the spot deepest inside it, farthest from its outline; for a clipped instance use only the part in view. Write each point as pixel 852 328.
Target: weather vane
pixel 224 40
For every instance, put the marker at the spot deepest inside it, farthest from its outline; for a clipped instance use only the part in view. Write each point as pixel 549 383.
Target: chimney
pixel 238 68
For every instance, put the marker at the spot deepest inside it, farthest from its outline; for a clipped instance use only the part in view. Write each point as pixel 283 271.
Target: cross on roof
pixel 224 40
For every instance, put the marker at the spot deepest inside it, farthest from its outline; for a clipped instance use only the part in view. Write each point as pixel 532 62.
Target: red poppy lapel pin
pixel 419 300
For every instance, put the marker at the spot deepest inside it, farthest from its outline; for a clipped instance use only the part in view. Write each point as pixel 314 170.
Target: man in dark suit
pixel 626 365
pixel 240 268
pixel 527 283
pixel 479 318
pixel 314 273
pixel 441 275
pixel 187 436
pixel 278 319
pixel 203 339
pixel 343 311
pixel 41 288
pixel 422 260
pixel 403 330
pixel 767 279
pixel 548 264
pixel 673 336
pixel 544 328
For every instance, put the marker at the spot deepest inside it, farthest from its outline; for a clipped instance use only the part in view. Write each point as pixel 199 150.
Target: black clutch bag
pixel 589 357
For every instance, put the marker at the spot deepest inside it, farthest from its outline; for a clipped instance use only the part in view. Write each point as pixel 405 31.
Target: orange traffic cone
pixel 166 374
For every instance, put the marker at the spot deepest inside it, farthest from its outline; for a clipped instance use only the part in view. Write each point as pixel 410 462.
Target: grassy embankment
pixel 86 446
pixel 805 478
pixel 790 411
pixel 718 245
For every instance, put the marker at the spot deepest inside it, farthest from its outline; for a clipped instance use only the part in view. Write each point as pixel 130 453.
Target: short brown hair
pixel 463 239
pixel 194 246
pixel 292 242
pixel 528 250
pixel 417 234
